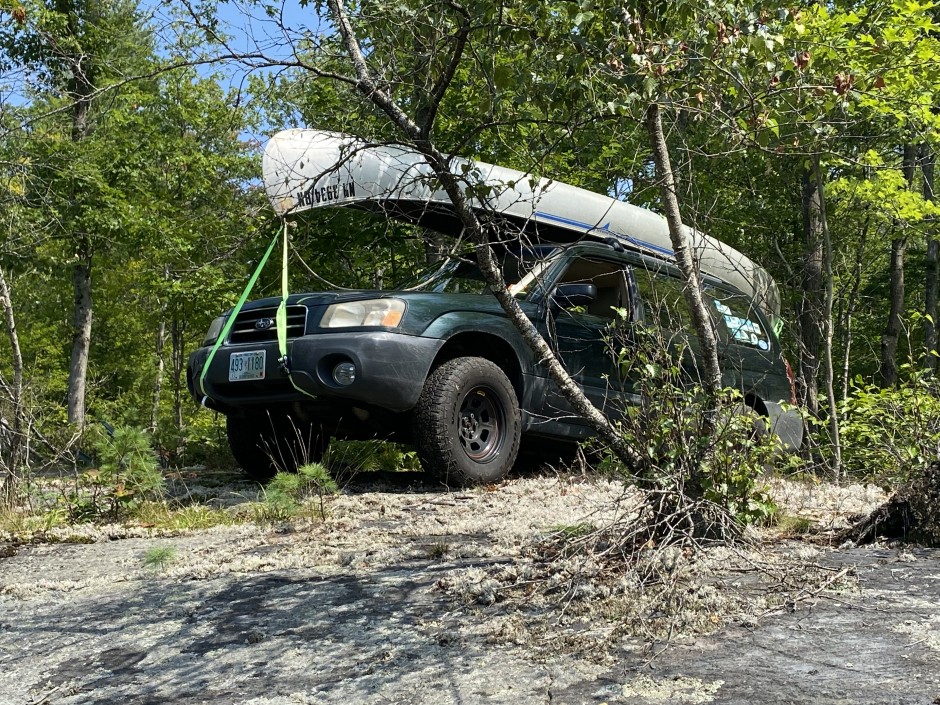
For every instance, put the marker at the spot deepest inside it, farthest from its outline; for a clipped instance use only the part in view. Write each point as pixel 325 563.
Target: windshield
pixel 522 271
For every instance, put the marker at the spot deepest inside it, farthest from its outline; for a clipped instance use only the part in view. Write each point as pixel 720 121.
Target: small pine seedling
pixel 159 557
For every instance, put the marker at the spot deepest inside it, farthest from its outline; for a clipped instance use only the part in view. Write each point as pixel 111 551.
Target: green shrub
pixel 666 429
pixel 126 473
pixel 173 516
pixel 887 433
pixel 26 524
pixel 349 457
pixel 204 442
pixel 792 525
pixel 286 492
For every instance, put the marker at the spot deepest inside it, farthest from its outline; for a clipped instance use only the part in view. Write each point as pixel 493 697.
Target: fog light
pixel 344 374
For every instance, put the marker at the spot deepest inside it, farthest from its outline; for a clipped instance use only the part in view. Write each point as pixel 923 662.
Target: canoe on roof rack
pixel 305 169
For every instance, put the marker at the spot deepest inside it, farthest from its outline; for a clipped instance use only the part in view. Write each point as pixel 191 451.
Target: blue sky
pixel 249 26
pixel 268 28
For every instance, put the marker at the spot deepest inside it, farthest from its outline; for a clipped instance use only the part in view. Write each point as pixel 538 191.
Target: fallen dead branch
pixel 911 514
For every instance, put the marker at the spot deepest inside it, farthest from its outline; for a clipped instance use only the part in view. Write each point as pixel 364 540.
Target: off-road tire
pixel 267 442
pixel 467 422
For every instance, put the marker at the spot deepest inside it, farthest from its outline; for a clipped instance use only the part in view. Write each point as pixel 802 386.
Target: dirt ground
pixel 401 596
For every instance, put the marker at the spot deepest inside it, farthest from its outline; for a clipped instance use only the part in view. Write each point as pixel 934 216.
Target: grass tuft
pixel 159 558
pixel 793 525
pixel 437 551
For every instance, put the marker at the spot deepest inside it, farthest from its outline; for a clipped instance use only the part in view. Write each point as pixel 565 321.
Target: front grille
pixel 247 330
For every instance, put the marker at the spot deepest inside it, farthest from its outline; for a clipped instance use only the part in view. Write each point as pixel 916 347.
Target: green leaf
pixel 502 77
pixel 583 17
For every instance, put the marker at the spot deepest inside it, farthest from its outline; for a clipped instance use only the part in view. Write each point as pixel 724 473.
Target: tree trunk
pixel 810 314
pixel 889 339
pixel 158 376
pixel 893 326
pixel 177 328
pixel 81 91
pixel 931 280
pixel 909 163
pixel 435 243
pixel 434 247
pixel 828 371
pixel 681 245
pixel 930 296
pixel 14 453
pixel 81 336
pixel 851 305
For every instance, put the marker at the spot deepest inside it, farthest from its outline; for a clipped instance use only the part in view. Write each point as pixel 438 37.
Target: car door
pixel 666 316
pixel 588 338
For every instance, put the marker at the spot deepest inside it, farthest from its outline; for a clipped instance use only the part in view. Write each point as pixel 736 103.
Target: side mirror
pixel 571 295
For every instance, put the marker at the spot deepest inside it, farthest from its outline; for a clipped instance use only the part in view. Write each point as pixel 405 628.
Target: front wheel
pixel 267 442
pixel 467 422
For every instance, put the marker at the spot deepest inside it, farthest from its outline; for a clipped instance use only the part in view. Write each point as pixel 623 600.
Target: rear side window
pixel 663 301
pixel 740 319
pixel 664 305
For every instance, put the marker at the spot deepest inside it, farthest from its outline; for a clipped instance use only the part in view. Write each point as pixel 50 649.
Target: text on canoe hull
pixel 315 195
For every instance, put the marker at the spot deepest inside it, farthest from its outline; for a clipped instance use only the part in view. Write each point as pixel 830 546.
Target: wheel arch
pixel 477 343
pixel 753 401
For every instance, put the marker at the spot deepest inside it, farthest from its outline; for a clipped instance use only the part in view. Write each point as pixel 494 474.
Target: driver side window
pixel 610 280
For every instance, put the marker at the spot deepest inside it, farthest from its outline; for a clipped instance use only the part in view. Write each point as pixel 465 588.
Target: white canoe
pixel 306 169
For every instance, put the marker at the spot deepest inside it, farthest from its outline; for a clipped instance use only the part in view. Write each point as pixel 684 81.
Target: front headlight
pixel 373 312
pixel 214 329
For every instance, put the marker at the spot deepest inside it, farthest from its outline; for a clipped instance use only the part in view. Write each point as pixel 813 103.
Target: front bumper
pixel 390 371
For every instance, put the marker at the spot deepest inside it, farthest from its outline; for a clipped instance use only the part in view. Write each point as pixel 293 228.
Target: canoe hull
pixel 305 169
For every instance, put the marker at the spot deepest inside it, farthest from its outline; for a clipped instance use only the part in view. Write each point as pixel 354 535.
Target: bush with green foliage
pixel 126 472
pixel 286 493
pixel 204 441
pixel 346 458
pixel 889 433
pixel 667 431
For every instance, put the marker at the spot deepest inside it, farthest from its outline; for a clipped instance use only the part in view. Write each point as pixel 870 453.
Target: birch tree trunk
pixel 158 375
pixel 14 454
pixel 928 163
pixel 474 230
pixel 682 247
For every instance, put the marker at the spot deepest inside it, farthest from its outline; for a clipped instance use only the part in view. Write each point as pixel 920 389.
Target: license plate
pixel 246 365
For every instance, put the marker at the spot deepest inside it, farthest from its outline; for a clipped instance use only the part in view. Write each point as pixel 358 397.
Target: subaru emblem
pixel 264 323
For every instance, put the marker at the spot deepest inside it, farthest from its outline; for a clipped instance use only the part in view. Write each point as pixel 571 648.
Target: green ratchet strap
pixel 281 318
pixel 238 307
